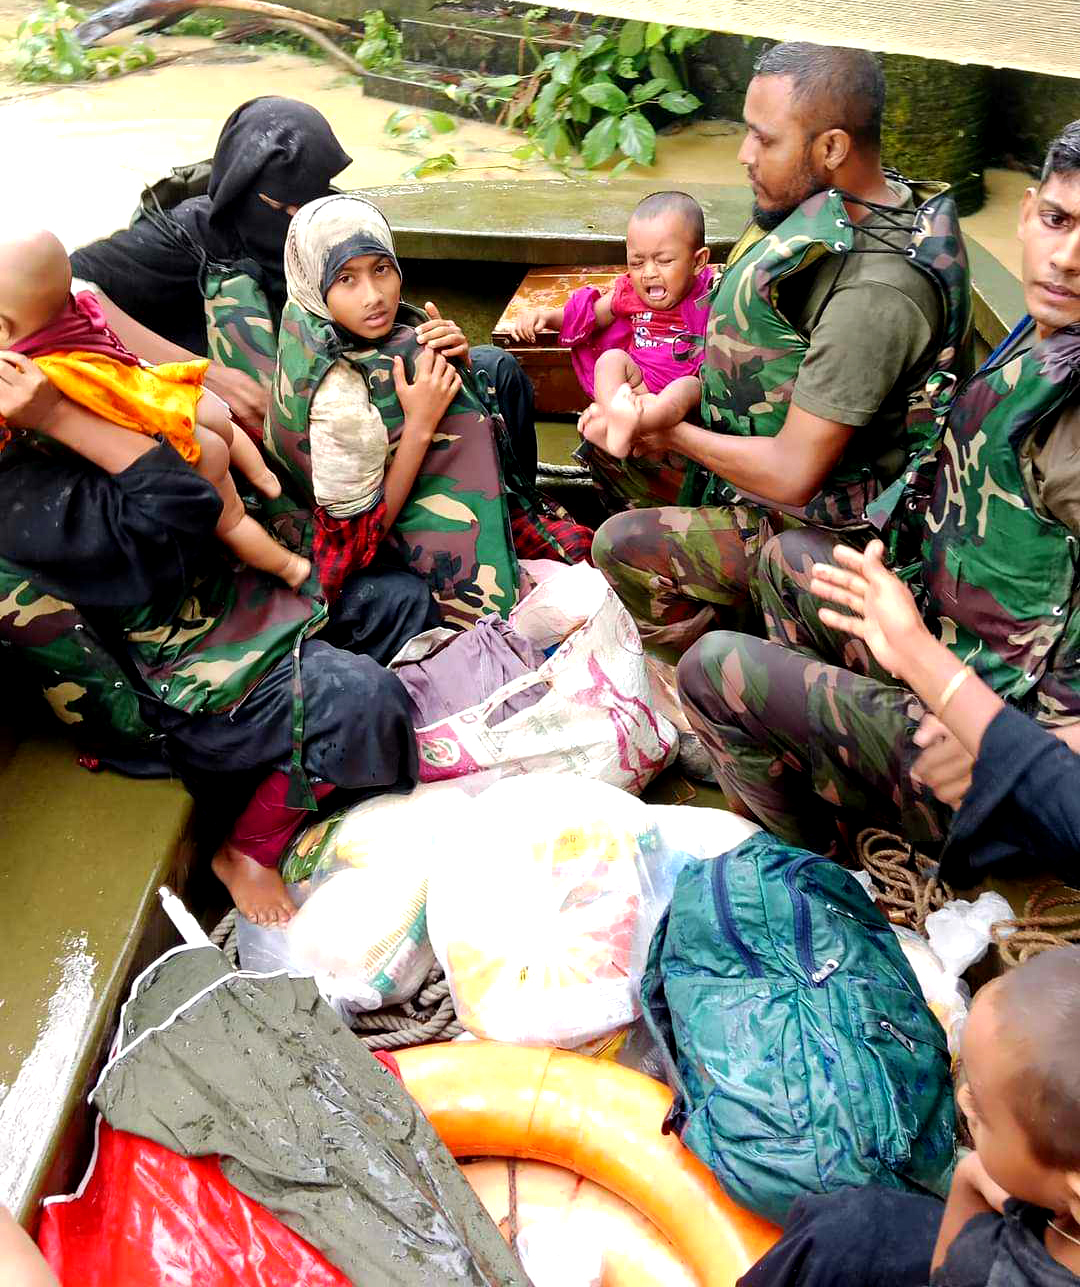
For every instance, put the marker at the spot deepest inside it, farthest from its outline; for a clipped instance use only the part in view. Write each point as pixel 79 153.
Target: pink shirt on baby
pixel 665 343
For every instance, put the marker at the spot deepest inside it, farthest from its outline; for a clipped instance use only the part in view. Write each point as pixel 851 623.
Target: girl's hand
pixel 27 396
pixel 524 327
pixel 434 386
pixel 443 335
pixel 885 616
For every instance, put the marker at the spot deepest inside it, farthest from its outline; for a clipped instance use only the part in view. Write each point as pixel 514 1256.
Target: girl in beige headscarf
pixel 340 266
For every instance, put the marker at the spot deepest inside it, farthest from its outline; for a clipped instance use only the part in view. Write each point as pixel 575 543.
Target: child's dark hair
pixel 1038 1010
pixel 680 203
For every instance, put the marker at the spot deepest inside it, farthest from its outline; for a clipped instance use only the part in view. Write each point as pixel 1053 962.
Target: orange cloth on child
pixel 149 399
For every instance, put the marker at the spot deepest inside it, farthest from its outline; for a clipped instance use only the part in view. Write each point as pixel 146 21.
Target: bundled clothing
pixel 88 363
pixel 155 270
pixel 665 343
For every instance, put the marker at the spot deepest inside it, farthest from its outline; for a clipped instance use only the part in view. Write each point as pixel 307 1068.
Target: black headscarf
pixel 279 147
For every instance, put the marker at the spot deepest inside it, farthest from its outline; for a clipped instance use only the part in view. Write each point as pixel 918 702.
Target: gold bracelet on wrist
pixel 952 688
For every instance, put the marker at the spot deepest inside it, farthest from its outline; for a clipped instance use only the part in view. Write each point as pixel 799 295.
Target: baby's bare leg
pixel 619 385
pixel 236 528
pixel 671 404
pixel 214 416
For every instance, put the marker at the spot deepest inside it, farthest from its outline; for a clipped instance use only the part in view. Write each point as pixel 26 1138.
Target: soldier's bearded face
pixel 778 152
pixel 1050 236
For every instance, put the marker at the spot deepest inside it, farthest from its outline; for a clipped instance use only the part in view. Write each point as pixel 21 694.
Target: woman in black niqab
pixel 273 154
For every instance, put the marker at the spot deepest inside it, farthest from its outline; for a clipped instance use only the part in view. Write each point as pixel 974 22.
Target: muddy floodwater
pixel 83 153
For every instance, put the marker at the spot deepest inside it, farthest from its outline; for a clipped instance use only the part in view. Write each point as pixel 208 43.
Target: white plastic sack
pixel 596 718
pixel 363 931
pixel 947 995
pixel 561 1251
pixel 543 924
pixel 959 932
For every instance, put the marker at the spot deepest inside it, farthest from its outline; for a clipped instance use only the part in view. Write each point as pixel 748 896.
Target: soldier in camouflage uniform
pixel 805 728
pixel 845 294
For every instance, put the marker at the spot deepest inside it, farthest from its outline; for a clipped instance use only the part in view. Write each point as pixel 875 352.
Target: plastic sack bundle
pixel 594 715
pixel 543 925
pixel 362 932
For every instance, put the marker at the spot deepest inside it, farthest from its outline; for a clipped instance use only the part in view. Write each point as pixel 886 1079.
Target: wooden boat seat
pixel 547 362
pixel 82 857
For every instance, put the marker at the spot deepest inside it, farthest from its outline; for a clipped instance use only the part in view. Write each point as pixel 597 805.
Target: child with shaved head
pixel 1012 1218
pixel 67 336
pixel 638 347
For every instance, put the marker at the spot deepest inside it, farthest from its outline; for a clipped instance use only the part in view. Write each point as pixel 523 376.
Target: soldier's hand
pixel 883 612
pixel 27 396
pixel 944 765
pixel 246 398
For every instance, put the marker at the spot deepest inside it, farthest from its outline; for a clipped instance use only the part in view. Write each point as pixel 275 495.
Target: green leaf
pixel 621 167
pixel 555 141
pixel 649 90
pixel 680 102
pixel 632 39
pixel 526 152
pixel 605 63
pixel 637 138
pixel 580 110
pixel 628 69
pixel 443 124
pixel 654 33
pixel 395 122
pixel 500 82
pixel 543 109
pixel 432 165
pixel 593 44
pixel 661 66
pixel 600 142
pixel 605 95
pixel 565 66
pixel 683 37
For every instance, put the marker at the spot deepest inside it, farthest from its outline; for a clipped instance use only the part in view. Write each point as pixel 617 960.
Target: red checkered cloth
pixel 548 536
pixel 344 545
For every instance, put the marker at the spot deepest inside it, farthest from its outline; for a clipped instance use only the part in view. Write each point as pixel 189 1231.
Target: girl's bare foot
pixel 296 571
pixel 258 892
pixel 623 421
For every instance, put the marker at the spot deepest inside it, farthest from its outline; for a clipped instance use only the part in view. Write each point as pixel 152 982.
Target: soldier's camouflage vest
pixel 239 332
pixel 999 577
pixel 753 353
pixel 454 530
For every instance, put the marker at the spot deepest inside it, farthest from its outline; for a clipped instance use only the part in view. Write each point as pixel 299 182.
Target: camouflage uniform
pixel 454 529
pixel 806 724
pixel 673 583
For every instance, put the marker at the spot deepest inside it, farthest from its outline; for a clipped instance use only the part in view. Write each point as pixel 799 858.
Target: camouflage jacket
pixel 454 529
pixel 753 353
pixel 999 576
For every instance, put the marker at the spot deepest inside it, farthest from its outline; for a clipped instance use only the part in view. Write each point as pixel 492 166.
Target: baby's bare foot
pixel 258 892
pixel 623 421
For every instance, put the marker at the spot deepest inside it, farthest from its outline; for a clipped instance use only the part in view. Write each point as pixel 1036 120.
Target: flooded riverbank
pixel 84 152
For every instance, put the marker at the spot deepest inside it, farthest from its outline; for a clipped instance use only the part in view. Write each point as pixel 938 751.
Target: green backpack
pixel 803 1056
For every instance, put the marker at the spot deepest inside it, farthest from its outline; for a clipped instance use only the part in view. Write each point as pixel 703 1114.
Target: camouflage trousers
pixel 684 571
pixel 806 729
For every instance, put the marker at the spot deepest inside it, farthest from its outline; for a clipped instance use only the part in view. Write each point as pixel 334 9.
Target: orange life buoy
pixel 601 1120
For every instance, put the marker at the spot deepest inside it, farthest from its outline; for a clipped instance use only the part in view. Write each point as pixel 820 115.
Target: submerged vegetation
pixel 45 49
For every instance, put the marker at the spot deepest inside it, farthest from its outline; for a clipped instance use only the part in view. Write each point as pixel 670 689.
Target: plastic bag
pixel 685 835
pixel 947 995
pixel 146 1217
pixel 959 932
pixel 543 925
pixel 595 718
pixel 362 932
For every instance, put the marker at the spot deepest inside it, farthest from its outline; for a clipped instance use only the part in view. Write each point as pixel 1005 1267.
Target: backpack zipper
pixel 800 906
pixel 722 902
